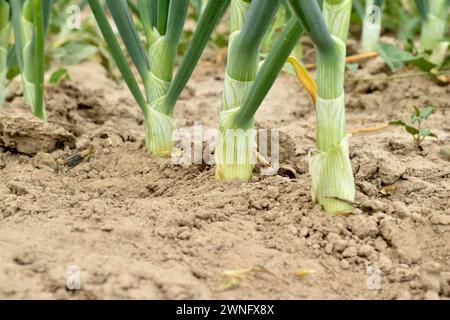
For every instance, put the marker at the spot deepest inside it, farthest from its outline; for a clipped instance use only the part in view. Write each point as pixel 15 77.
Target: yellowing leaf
pixel 302 273
pixel 304 77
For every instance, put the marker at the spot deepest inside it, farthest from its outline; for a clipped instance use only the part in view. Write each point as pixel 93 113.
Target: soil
pixel 83 191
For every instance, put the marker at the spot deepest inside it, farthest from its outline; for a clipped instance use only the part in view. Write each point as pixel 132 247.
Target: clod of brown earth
pixel 402 239
pixel 28 135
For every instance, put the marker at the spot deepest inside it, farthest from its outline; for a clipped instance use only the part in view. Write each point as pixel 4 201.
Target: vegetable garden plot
pixel 355 193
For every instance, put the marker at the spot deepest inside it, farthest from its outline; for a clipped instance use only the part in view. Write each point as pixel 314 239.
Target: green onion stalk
pixel 236 146
pixel 163 21
pixel 434 26
pixel 333 184
pixel 371 32
pixel 281 21
pixel 30 22
pixel 5 32
pixel 337 17
pixel 199 6
pixel 156 66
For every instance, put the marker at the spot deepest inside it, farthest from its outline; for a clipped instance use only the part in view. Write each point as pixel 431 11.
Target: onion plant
pixel 247 83
pixel 371 25
pixel 236 146
pixel 30 20
pixel 434 14
pixel 5 31
pixel 333 184
pixel 163 21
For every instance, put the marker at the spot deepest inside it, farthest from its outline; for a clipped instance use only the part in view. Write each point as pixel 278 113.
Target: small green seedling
pixel 417 130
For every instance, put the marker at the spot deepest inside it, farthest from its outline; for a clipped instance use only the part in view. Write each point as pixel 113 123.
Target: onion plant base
pixel 29 93
pixel 235 150
pixel 159 130
pixel 439 53
pixel 333 185
pixel 236 146
pixel 235 155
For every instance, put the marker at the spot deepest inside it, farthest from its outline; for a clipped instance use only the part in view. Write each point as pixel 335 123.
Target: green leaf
pixel 74 52
pixel 421 63
pixel 353 67
pixel 129 34
pixel 59 75
pixel 408 128
pixel 416 115
pixel 446 63
pixel 394 57
pixel 118 55
pixel 425 132
pixel 426 112
pixel 409 45
pixel 208 21
pixel 412 130
pixel 398 123
pixel 406 25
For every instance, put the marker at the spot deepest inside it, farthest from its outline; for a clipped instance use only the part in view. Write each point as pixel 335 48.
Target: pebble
pixel 345 264
pixel 185 235
pixel 404 295
pixel 385 263
pixel 362 226
pixel 304 232
pixel 107 228
pixel 350 252
pixel 329 248
pixel 340 245
pixel 292 230
pixel 44 160
pixel 430 277
pixel 440 219
pixel 380 244
pixel 25 258
pixel 365 251
pixel 374 205
pixel 401 209
pixel 390 170
pixel 431 295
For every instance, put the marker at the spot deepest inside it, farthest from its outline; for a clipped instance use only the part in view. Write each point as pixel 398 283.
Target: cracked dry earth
pixel 139 227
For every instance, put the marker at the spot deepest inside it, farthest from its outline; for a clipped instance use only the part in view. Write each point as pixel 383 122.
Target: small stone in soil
pixel 365 251
pixel 44 160
pixel 345 264
pixel 385 263
pixel 107 228
pixel 25 258
pixel 329 248
pixel 440 219
pixel 340 245
pixel 304 232
pixel 431 295
pixel 350 252
pixel 404 295
pixel 185 235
